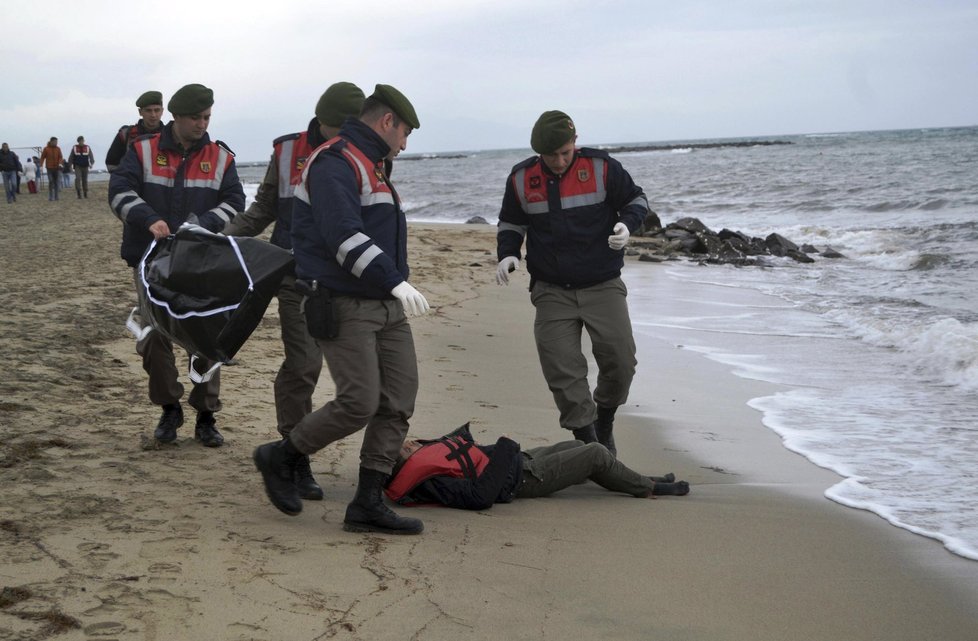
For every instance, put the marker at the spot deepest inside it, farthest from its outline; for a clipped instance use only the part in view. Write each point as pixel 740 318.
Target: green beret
pixel 398 102
pixel 149 98
pixel 553 130
pixel 190 100
pixel 341 100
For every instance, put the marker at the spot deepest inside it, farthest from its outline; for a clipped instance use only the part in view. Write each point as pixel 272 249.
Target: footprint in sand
pixel 104 629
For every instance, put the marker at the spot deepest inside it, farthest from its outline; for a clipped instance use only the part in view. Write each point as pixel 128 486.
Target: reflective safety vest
pixel 81 156
pixel 452 456
pixel 371 180
pixel 291 153
pixel 204 168
pixel 583 186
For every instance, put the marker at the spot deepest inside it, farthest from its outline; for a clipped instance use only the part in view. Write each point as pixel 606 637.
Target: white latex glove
pixel 414 303
pixel 619 239
pixel 506 265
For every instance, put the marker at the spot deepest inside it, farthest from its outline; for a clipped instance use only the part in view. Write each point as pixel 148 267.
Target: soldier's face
pixel 395 135
pixel 192 128
pixel 560 160
pixel 151 115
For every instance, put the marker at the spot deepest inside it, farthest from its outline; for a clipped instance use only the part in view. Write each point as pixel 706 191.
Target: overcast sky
pixel 480 72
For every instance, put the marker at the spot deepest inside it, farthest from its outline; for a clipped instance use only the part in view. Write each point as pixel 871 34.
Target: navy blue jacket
pixel 348 230
pixel 157 180
pixel 566 220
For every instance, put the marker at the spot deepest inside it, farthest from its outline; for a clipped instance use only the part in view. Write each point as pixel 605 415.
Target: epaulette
pixel 529 162
pixel 286 137
pixel 224 146
pixel 591 152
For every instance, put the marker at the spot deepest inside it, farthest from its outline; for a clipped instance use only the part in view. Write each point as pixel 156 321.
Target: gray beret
pixel 149 98
pixel 190 100
pixel 340 100
pixel 398 103
pixel 553 130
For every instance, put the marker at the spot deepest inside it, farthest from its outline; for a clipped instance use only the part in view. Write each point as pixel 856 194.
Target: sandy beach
pixel 106 535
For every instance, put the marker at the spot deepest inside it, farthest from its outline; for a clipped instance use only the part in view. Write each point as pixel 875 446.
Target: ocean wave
pixel 944 351
pixel 932 205
pixel 926 262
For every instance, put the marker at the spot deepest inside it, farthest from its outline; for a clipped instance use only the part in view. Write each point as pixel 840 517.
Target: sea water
pixel 879 349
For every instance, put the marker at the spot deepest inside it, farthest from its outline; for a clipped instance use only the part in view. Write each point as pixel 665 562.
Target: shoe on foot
pixel 368 513
pixel 585 434
pixel 277 462
pixel 668 478
pixel 206 432
pixel 309 490
pixel 170 420
pixel 679 488
pixel 603 427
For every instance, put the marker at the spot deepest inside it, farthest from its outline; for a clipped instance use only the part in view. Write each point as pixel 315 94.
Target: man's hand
pixel 619 238
pixel 506 265
pixel 159 229
pixel 414 303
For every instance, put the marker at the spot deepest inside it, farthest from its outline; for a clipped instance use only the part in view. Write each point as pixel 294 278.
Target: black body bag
pixel 208 292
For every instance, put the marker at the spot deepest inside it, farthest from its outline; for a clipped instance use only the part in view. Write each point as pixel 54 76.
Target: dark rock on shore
pixel 689 238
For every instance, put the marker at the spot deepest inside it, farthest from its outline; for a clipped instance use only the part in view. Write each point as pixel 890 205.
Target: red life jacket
pixel 452 456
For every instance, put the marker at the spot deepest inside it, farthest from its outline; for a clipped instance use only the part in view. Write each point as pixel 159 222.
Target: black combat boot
pixel 277 462
pixel 170 420
pixel 603 427
pixel 206 432
pixel 585 434
pixel 305 483
pixel 367 512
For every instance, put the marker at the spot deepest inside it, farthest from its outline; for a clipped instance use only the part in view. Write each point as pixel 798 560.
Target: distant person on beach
pixel 11 168
pixel 575 208
pixel 455 471
pixel 82 160
pixel 165 180
pixel 66 173
pixel 349 236
pixel 297 376
pixel 150 106
pixel 53 159
pixel 30 175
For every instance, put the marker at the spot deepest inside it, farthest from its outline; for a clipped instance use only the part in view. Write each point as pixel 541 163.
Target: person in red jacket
pixel 297 377
pixel 163 181
pixel 150 106
pixel 81 160
pixel 349 237
pixel 575 208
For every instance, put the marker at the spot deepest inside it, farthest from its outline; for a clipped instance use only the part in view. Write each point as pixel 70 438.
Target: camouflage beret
pixel 149 98
pixel 190 100
pixel 398 103
pixel 340 100
pixel 553 130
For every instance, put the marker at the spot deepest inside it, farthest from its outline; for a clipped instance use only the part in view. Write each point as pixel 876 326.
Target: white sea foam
pixel 872 400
